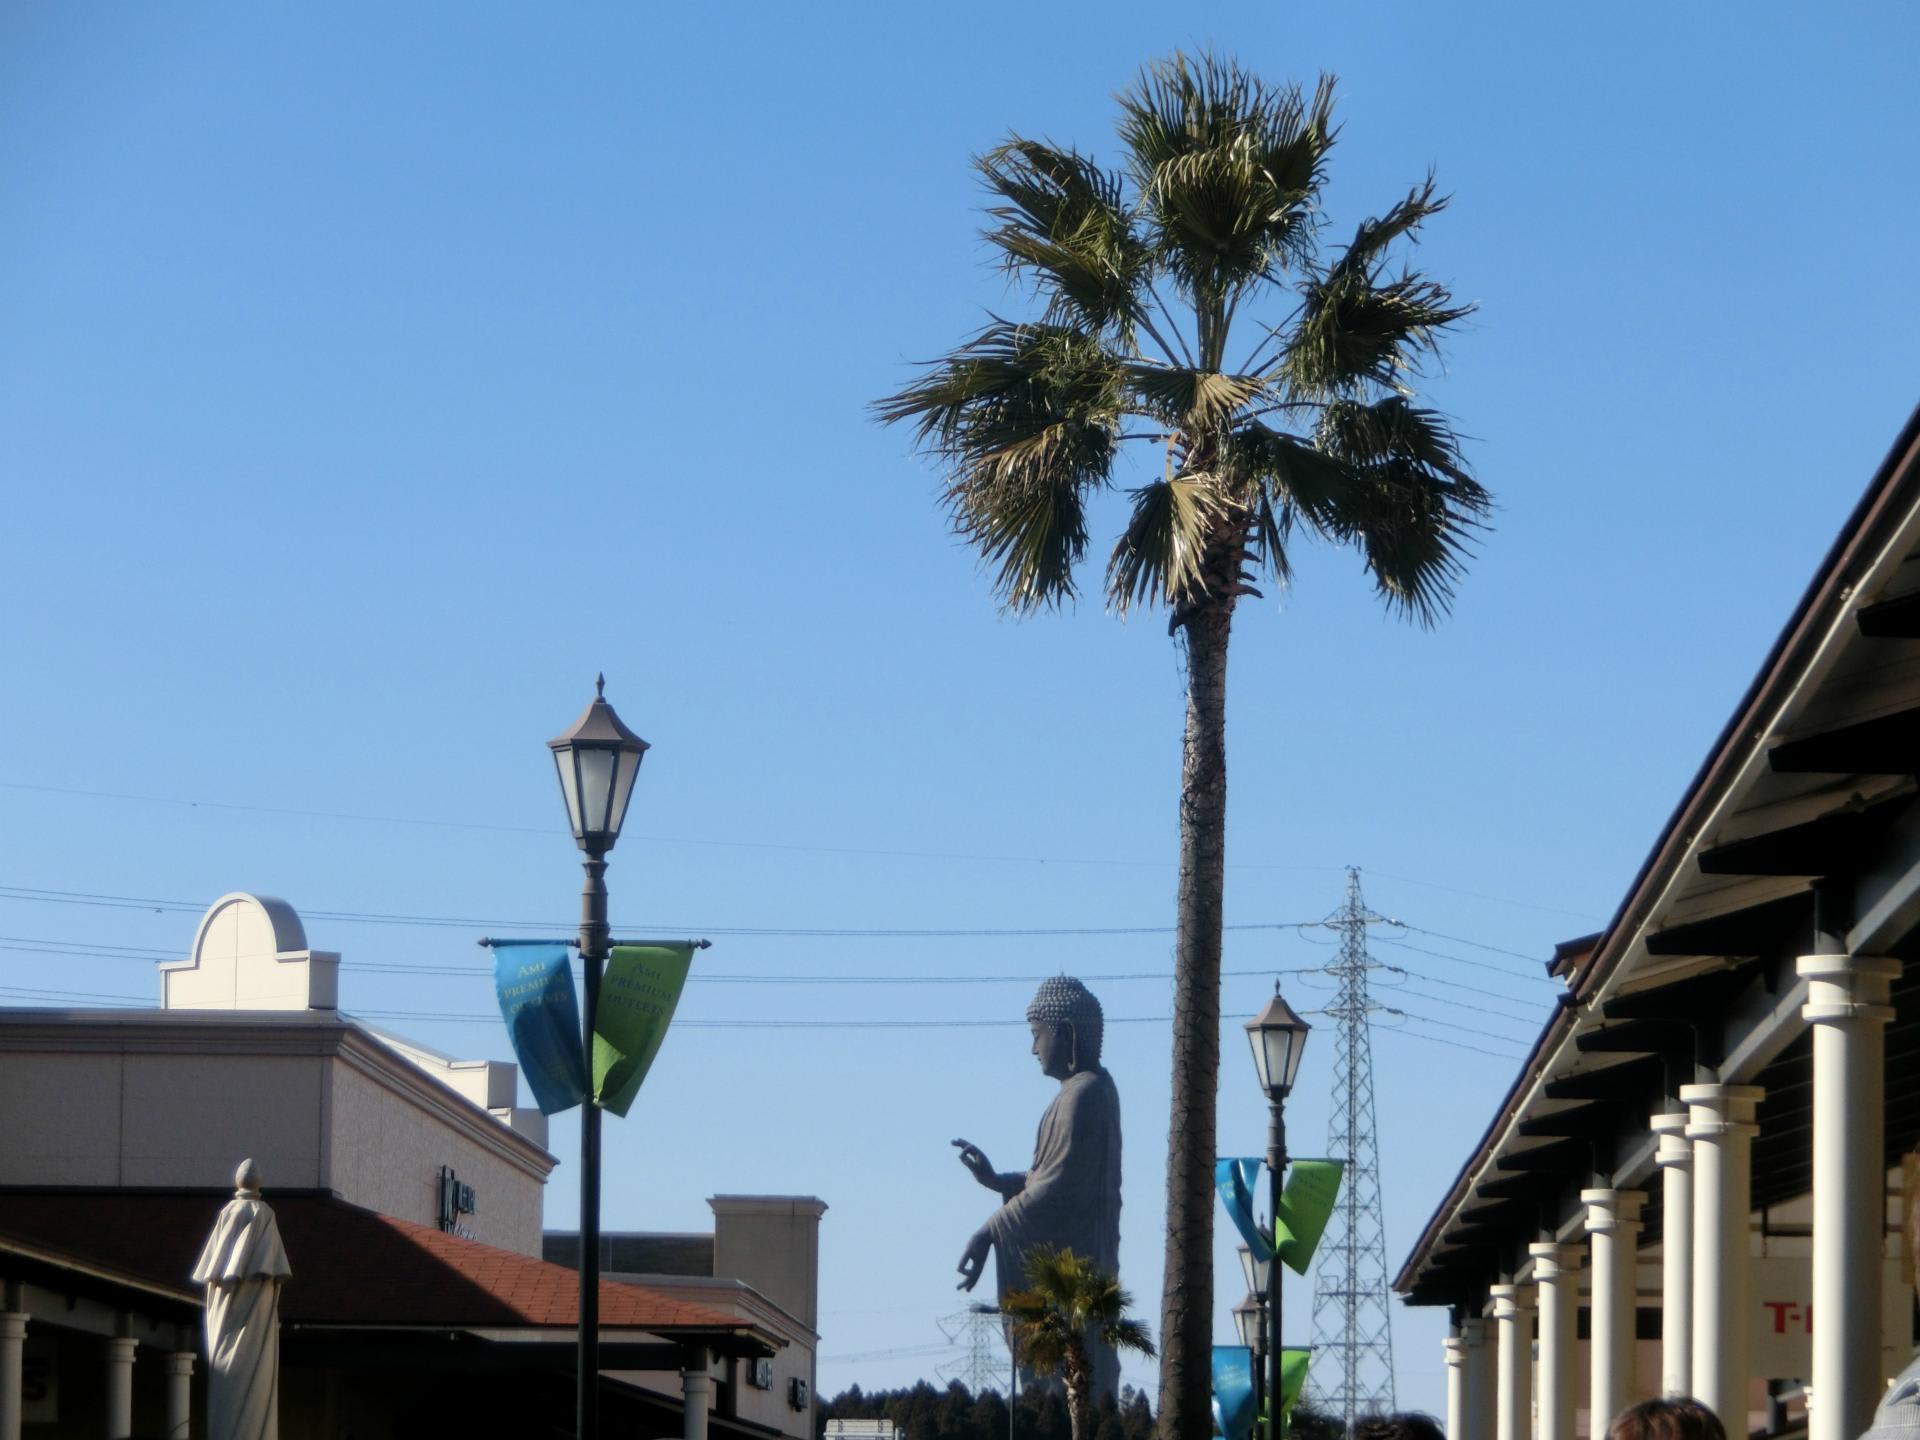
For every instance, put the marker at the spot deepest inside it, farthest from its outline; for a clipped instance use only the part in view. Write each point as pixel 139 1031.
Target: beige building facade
pixel 129 1114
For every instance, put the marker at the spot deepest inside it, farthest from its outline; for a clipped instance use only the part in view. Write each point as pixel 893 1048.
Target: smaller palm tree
pixel 1069 1300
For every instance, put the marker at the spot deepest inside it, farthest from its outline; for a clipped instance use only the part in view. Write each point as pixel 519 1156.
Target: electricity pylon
pixel 977 1332
pixel 1352 1369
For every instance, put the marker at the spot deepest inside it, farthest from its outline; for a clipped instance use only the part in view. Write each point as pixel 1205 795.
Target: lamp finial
pixel 600 687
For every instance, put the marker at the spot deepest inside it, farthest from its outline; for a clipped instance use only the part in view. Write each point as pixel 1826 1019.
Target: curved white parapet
pixel 250 953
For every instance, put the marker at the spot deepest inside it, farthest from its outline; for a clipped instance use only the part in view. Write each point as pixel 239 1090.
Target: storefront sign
pixel 1783 1318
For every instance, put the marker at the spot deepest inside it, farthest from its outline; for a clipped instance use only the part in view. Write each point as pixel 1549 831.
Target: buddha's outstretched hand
pixel 978 1166
pixel 974 1260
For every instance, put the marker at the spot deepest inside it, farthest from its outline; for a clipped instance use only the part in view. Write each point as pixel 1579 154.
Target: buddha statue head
pixel 1067 1027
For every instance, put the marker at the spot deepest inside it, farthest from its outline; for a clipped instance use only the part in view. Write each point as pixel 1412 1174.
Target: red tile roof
pixel 350 1266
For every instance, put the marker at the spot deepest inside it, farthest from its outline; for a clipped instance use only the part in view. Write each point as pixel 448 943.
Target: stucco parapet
pixel 776 1205
pixel 730 1295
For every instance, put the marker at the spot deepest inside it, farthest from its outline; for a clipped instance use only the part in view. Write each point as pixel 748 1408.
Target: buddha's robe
pixel 1070 1197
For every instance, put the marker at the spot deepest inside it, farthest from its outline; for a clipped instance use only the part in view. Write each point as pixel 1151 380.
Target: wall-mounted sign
pixel 760 1374
pixel 456 1199
pixel 797 1393
pixel 1783 1318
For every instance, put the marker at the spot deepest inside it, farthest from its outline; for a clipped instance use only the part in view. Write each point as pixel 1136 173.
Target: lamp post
pixel 598 759
pixel 1279 1038
pixel 1250 1321
pixel 1250 1318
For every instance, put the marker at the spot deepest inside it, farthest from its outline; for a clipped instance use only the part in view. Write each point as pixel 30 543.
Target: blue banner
pixel 1234 1179
pixel 1233 1391
pixel 535 983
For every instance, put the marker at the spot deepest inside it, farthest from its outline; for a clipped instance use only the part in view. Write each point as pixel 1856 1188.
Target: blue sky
pixel 371 378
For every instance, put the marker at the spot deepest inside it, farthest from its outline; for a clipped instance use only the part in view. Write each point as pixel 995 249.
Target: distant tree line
pixel 927 1412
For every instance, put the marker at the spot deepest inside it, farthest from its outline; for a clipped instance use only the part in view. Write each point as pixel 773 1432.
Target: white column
pixel 1720 1125
pixel 179 1395
pixel 13 1345
pixel 1675 1159
pixel 1479 1380
pixel 1613 1220
pixel 696 1390
pixel 1456 1351
pixel 1556 1271
pixel 120 1388
pixel 1847 999
pixel 1513 1401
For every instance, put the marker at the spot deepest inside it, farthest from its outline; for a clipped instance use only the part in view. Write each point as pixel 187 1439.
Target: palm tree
pixel 1184 303
pixel 1067 1300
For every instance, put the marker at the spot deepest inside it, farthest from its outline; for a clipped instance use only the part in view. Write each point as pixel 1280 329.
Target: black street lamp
pixel 1250 1321
pixel 598 759
pixel 1279 1039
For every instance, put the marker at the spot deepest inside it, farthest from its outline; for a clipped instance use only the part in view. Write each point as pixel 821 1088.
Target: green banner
pixel 1293 1378
pixel 638 995
pixel 1306 1204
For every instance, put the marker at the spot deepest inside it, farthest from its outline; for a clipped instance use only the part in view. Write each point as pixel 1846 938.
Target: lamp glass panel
pixel 1276 1056
pixel 1246 1319
pixel 569 787
pixel 1254 1270
pixel 596 789
pixel 628 772
pixel 1296 1048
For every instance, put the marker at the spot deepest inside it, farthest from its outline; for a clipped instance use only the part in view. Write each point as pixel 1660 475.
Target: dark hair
pixel 1407 1425
pixel 1681 1418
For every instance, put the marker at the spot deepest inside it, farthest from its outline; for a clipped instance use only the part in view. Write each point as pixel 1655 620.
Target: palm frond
pixel 1024 417
pixel 1183 397
pixel 1357 328
pixel 1229 170
pixel 1129 1335
pixel 1414 508
pixel 1066 226
pixel 1158 558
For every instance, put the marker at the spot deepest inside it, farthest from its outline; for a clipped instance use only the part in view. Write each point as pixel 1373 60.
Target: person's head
pixel 1407 1425
pixel 1067 1026
pixel 1681 1418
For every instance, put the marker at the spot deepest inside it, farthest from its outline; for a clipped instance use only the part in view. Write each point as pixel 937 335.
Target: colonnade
pixel 116 1383
pixel 1704 1158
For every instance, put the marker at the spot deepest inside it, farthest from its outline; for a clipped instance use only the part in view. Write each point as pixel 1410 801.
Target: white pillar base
pixel 1675 1159
pixel 1847 1005
pixel 1720 1125
pixel 1456 1353
pixel 13 1346
pixel 1556 1275
pixel 696 1390
pixel 1513 1397
pixel 1479 1378
pixel 180 1395
pixel 120 1388
pixel 1613 1222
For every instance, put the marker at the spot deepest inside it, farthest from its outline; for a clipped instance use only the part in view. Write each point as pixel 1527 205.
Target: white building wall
pixel 159 1119
pixel 386 1152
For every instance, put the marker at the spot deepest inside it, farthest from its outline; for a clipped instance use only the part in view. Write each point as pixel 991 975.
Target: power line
pixel 1474 944
pixel 470 922
pixel 121 1001
pixel 1506 970
pixel 146 955
pixel 296 812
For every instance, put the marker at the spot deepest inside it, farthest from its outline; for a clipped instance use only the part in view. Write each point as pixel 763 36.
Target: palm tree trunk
pixel 1186 1309
pixel 1079 1385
